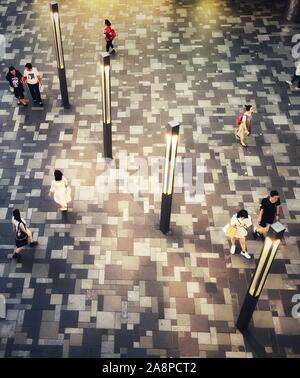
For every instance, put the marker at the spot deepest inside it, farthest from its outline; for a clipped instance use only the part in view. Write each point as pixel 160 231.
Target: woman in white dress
pixel 60 190
pixel 240 221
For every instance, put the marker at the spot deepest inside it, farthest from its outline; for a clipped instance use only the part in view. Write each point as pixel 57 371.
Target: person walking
pixel 110 35
pixel 237 229
pixel 244 123
pixel 61 190
pixel 15 79
pixel 295 76
pixel 22 233
pixel 33 79
pixel 268 214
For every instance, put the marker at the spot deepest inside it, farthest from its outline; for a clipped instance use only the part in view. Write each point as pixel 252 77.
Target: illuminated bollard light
pixel 168 183
pixel 59 55
pixel 106 104
pixel 266 259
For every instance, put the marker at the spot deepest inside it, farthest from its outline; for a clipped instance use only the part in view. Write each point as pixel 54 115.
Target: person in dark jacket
pixel 15 79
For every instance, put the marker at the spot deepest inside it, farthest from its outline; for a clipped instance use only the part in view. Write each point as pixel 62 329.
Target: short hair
pixel 242 214
pixel 107 22
pixel 248 107
pixel 28 65
pixel 58 175
pixel 274 193
pixel 11 68
pixel 17 215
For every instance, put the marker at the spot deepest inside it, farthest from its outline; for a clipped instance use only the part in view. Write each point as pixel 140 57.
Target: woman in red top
pixel 109 36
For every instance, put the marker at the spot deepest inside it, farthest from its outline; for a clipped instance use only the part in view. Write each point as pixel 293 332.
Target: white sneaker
pixel 232 249
pixel 289 82
pixel 246 255
pixel 297 89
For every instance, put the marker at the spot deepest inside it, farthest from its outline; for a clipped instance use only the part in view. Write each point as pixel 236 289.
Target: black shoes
pixel 16 256
pixel 41 104
pixel 33 244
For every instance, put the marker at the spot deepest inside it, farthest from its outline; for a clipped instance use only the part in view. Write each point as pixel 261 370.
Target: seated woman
pixel 238 227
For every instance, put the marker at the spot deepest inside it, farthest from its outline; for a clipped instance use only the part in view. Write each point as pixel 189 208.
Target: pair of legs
pixel 18 250
pixel 241 134
pixel 108 45
pixel 35 93
pixel 242 241
pixel 262 229
pixel 19 95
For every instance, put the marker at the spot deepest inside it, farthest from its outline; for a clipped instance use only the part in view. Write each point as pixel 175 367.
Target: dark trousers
pixel 19 92
pixel 108 45
pixel 35 92
pixel 296 78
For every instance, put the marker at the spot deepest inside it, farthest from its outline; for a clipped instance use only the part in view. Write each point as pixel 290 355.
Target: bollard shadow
pixel 253 345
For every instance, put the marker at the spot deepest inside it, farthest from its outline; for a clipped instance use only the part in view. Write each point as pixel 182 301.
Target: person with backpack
pixel 15 79
pixel 110 35
pixel 244 124
pixel 22 233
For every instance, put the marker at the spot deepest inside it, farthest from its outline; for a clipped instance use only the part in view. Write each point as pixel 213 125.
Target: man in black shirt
pixel 15 79
pixel 268 213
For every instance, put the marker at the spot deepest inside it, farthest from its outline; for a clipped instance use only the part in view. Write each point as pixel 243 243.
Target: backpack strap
pixel 18 228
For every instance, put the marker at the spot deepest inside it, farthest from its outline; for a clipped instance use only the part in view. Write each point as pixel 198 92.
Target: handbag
pixel 229 231
pixel 21 237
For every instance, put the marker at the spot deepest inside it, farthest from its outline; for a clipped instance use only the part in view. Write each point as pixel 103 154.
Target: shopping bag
pixel 229 231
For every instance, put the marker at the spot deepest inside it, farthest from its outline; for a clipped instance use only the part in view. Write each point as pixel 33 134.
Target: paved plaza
pixel 104 281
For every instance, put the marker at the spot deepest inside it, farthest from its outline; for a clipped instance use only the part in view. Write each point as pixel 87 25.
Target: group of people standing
pixel 241 221
pixel 17 82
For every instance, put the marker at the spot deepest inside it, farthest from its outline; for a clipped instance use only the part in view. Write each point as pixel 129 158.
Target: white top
pixel 16 224
pixel 61 191
pixel 297 64
pixel 245 223
pixel 31 76
pixel 59 185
